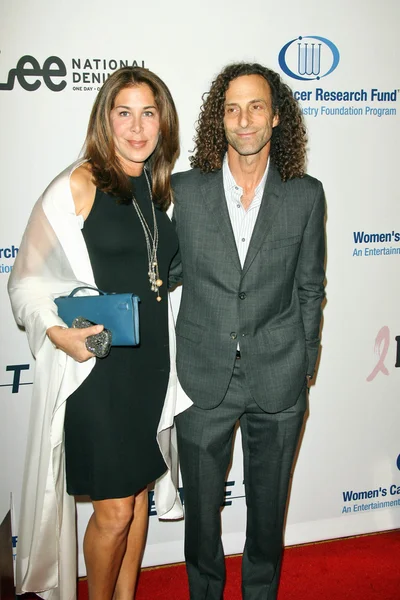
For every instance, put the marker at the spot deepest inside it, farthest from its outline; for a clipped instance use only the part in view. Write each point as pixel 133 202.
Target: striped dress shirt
pixel 242 220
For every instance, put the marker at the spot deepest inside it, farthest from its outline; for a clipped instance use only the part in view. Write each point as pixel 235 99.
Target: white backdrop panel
pixel 351 440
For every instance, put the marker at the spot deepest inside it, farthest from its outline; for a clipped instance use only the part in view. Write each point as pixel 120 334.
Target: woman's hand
pixel 72 340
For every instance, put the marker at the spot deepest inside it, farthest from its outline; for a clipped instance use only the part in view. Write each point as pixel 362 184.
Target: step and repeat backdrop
pixel 341 60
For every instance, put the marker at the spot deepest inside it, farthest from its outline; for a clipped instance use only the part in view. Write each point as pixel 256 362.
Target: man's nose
pixel 244 118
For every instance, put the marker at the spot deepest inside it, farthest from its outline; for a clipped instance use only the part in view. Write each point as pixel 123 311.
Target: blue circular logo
pixel 313 57
pixel 398 462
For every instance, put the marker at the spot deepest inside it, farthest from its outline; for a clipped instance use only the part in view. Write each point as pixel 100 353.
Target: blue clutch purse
pixel 117 312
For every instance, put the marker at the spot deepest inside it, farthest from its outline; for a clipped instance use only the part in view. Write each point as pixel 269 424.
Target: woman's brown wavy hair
pixel 107 171
pixel 289 138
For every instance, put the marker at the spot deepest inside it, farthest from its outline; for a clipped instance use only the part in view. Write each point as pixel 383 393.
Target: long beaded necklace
pixel 151 242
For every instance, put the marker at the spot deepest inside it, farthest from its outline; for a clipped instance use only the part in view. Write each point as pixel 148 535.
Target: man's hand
pixel 72 341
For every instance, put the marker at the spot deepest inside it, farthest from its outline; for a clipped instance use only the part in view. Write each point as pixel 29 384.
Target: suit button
pixel 242 295
pixel 233 335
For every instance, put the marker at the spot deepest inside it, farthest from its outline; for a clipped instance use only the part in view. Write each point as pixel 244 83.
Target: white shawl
pixel 52 260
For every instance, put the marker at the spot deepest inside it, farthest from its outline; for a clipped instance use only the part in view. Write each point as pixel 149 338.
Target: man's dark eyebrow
pixel 250 102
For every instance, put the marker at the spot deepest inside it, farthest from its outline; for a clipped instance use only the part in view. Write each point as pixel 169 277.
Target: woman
pixel 102 222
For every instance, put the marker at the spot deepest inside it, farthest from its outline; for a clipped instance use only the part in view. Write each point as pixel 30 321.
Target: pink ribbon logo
pixel 381 347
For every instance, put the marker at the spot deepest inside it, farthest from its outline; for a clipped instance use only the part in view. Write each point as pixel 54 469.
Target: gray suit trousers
pixel 205 445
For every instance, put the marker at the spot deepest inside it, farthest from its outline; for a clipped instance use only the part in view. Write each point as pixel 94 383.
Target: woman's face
pixel 135 123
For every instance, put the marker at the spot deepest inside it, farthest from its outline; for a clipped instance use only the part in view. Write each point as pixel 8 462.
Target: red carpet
pixel 362 568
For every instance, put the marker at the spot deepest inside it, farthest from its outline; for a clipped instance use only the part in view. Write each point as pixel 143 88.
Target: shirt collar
pixel 230 184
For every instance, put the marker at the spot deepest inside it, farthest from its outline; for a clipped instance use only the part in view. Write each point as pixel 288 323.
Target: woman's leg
pixel 105 544
pixel 128 575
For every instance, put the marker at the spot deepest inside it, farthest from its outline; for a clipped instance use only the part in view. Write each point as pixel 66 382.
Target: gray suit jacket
pixel 271 307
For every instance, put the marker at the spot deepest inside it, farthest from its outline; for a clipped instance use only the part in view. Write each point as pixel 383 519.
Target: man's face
pixel 248 118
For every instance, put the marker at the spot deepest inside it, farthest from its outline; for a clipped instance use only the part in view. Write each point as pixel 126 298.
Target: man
pixel 251 233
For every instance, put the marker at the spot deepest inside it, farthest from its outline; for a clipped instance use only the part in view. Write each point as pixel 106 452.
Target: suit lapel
pixel 214 196
pixel 270 205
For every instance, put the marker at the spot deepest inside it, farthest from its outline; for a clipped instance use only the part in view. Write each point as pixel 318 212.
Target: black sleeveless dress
pixel 111 419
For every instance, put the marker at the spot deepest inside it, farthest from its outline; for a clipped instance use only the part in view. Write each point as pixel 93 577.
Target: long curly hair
pixel 289 137
pixel 108 174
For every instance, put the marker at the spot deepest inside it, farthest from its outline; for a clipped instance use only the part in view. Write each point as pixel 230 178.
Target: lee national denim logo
pixel 312 57
pixel 30 74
